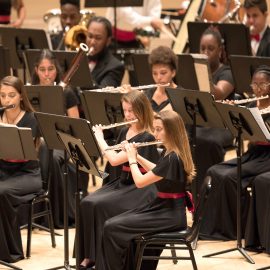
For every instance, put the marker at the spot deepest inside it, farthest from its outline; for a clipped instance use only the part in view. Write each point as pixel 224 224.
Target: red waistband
pixel 127 169
pixel 15 160
pixel 4 18
pixel 263 143
pixel 165 195
pixel 123 35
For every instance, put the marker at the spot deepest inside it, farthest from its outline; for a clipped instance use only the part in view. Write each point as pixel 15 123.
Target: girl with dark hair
pixel 19 179
pixel 120 194
pixel 167 212
pixel 219 221
pixel 163 63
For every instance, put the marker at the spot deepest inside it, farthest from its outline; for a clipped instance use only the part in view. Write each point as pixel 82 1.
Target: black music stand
pixel 50 124
pixel 82 159
pixel 48 99
pixel 18 40
pixel 243 76
pixel 82 76
pixel 195 108
pixel 22 147
pixel 236 37
pixel 244 123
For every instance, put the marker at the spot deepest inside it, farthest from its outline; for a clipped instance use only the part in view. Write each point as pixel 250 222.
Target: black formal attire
pixel 108 70
pixel 162 214
pixel 257 234
pixel 219 221
pixel 5 11
pixel 58 180
pixel 211 143
pixel 19 182
pixel 112 199
pixel 264 46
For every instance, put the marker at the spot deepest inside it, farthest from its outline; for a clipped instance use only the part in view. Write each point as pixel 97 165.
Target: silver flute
pixel 138 144
pixel 117 124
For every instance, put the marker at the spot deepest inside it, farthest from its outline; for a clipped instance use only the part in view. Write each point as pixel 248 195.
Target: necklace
pixel 13 121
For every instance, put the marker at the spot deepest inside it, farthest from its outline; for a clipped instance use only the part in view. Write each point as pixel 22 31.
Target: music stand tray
pixel 243 76
pixel 102 107
pixel 112 3
pixel 47 99
pixel 18 40
pixel 82 76
pixel 236 37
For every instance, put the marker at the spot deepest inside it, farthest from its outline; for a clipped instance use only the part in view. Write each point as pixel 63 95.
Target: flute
pixel 117 124
pixel 243 101
pixel 122 89
pixel 138 144
pixel 7 107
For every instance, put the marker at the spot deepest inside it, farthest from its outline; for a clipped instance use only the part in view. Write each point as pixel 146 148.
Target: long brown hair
pixel 141 107
pixel 177 139
pixel 18 85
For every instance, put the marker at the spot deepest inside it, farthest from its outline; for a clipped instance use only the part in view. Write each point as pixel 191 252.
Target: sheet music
pixel 258 117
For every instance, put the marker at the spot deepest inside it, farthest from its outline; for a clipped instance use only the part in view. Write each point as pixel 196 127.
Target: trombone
pixel 137 144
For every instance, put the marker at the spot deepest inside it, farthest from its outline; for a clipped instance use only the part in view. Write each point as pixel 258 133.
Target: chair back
pixel 200 208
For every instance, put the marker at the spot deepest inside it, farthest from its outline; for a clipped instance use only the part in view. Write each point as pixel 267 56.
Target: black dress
pixel 19 181
pixel 219 221
pixel 112 199
pixel 5 11
pixel 158 216
pixel 257 231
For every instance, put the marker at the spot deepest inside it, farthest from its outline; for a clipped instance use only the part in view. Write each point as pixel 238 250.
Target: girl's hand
pixel 131 150
pixel 98 132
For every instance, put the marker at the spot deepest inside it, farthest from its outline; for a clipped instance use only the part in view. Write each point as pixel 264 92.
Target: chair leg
pixel 50 222
pixel 192 257
pixel 173 254
pixel 29 231
pixel 140 255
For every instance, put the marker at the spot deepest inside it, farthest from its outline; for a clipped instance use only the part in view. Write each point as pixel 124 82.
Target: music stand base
pixel 65 266
pixel 10 265
pixel 264 268
pixel 240 249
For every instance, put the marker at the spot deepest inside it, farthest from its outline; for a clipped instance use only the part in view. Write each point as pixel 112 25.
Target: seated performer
pixel 20 180
pixel 70 16
pixel 256 19
pixel 106 70
pixel 167 212
pixel 47 71
pixel 220 218
pixel 208 139
pixel 121 194
pixel 257 237
pixel 163 63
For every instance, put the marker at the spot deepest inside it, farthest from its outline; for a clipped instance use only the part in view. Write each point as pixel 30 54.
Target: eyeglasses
pixel 262 86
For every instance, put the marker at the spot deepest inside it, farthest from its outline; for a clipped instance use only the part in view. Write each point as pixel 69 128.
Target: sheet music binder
pixel 255 124
pixel 17 143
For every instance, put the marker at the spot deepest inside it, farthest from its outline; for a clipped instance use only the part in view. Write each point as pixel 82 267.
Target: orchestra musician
pixel 5 12
pixel 70 16
pixel 120 194
pixel 209 139
pixel 106 69
pixel 167 212
pixel 163 64
pixel 256 20
pixel 47 71
pixel 20 180
pixel 219 221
